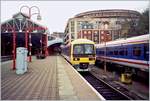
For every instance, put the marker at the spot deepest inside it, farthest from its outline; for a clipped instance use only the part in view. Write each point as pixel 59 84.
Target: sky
pixel 55 14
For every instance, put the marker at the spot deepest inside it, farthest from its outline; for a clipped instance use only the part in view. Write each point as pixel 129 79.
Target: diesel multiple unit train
pixel 80 53
pixel 131 52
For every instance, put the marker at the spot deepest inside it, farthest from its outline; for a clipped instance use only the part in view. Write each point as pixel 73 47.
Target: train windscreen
pixel 83 49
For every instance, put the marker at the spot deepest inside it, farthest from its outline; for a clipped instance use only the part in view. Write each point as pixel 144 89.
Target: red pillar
pixel 30 58
pixel 26 39
pixel 46 50
pixel 41 41
pixel 30 45
pixel 14 49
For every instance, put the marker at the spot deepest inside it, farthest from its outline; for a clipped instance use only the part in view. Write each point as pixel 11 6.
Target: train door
pixel 137 52
pixel 146 51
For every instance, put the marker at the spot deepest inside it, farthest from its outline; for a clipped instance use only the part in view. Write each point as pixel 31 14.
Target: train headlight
pixel 76 59
pixel 91 59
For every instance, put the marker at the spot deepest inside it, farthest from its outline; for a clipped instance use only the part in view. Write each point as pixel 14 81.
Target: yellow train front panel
pixel 78 60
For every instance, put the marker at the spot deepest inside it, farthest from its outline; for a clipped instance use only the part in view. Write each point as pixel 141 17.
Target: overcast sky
pixel 55 14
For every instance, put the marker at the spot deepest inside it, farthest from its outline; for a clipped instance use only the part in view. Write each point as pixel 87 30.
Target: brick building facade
pixel 92 25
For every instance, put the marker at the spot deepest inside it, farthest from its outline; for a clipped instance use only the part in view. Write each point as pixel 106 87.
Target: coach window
pixel 111 52
pixel 121 52
pixel 101 52
pixel 126 52
pixel 116 52
pixel 136 51
pixel 146 51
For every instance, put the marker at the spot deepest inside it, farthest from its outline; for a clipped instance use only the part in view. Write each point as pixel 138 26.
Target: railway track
pixel 107 91
pixel 110 89
pixel 6 58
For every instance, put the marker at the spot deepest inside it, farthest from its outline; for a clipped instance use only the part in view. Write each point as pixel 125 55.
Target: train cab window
pixel 83 49
pixel 78 49
pixel 89 49
pixel 136 51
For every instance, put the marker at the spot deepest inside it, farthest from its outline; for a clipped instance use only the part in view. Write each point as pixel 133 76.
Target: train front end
pixel 83 56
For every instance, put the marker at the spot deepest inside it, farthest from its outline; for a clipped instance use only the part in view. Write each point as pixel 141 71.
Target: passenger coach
pixel 80 53
pixel 131 52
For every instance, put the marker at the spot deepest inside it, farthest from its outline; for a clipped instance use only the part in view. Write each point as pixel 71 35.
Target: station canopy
pixel 20 23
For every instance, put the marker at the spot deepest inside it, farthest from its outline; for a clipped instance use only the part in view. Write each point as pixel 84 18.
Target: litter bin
pixel 21 60
pixel 126 78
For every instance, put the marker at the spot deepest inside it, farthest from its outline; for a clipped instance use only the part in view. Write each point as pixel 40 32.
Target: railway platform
pixel 51 78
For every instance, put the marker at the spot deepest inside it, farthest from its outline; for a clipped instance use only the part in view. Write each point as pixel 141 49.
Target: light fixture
pixel 39 17
pixel 20 30
pixel 35 31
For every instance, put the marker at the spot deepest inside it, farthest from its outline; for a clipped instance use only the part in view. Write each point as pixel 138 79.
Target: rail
pixel 108 92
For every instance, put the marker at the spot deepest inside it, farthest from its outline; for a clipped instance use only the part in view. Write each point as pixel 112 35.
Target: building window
pixel 90 36
pixel 118 22
pixel 102 32
pixel 89 32
pixel 85 32
pixel 95 32
pixel 83 36
pixel 96 38
pixel 98 22
pixel 72 29
pixel 72 23
pixel 85 27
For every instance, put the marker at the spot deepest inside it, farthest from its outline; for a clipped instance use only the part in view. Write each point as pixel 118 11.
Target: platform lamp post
pixel 38 18
pixel 41 46
pixel 14 49
pixel 105 29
